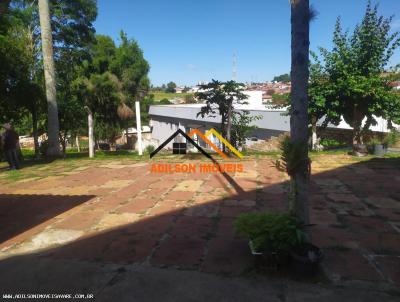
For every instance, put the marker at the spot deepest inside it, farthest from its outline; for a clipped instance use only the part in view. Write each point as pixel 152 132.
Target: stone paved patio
pixel 116 212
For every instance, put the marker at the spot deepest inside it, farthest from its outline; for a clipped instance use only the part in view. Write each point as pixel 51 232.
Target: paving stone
pixel 234 211
pixel 349 198
pixel 225 228
pixel 205 198
pixel 388 214
pixel 116 184
pixel 333 237
pixel 383 202
pixel 243 203
pixel 188 186
pixel 179 252
pixel 137 205
pixel 193 227
pixel 45 239
pixel 390 266
pixel 323 217
pixel 129 249
pixel 109 221
pixel 177 196
pixel 166 207
pixel 227 256
pixel 380 244
pixel 348 265
pixel 367 224
pixel 203 210
pixel 80 221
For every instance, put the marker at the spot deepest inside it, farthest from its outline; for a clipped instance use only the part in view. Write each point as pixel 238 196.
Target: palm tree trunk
pixel 50 78
pixel 300 19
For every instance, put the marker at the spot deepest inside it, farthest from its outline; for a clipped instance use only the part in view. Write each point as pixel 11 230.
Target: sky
pixel 187 41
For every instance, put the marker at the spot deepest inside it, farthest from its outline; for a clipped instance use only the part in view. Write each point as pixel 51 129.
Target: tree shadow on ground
pixel 19 213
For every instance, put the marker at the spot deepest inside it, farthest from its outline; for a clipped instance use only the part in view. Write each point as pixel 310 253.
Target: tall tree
pixel 221 97
pixel 50 79
pixel 356 66
pixel 108 84
pixel 320 105
pixel 282 78
pixel 300 20
pixel 171 87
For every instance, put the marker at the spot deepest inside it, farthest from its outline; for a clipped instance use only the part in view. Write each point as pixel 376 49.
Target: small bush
pixel 330 143
pixel 392 138
pixel 271 233
pixel 165 101
pixel 374 141
pixel 149 149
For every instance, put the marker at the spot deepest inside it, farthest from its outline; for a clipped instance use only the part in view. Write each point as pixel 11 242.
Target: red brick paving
pixel 352 204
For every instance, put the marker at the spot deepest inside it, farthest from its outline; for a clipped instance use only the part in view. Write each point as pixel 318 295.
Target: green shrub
pixel 272 233
pixel 165 101
pixel 330 143
pixel 374 141
pixel 392 138
pixel 149 149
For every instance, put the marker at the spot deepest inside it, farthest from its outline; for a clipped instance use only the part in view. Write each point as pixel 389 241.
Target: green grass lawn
pixel 41 168
pixel 159 95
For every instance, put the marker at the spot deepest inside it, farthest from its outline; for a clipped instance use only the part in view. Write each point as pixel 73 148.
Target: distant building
pixel 166 119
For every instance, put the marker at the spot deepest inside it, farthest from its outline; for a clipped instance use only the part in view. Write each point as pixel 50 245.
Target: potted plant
pixel 271 236
pixel 378 147
pixel 279 239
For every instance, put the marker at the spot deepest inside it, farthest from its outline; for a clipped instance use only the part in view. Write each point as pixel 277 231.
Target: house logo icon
pixel 180 148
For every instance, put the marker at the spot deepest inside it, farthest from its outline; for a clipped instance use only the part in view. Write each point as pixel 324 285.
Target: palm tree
pixel 300 20
pixel 50 79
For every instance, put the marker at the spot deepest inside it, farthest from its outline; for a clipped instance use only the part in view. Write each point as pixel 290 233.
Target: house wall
pixel 163 127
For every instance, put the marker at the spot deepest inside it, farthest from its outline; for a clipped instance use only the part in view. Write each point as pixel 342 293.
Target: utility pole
pixel 138 121
pixel 234 67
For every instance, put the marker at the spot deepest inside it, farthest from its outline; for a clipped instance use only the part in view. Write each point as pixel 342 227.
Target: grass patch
pixel 159 95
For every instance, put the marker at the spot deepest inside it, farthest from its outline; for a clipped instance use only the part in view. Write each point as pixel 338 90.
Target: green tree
pixel 22 74
pixel 71 30
pixel 320 105
pixel 282 78
pixel 109 82
pixel 130 66
pixel 355 66
pixel 220 97
pixel 242 127
pixel 171 87
pixel 280 100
